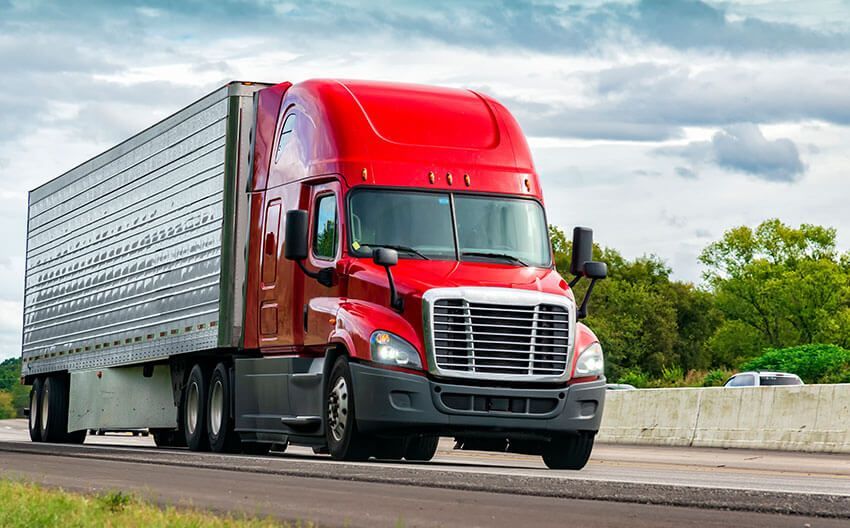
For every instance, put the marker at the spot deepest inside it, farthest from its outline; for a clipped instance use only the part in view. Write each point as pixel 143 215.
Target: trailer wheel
pixel 421 448
pixel 35 406
pixel 53 410
pixel 345 441
pixel 568 452
pixel 195 410
pixel 222 437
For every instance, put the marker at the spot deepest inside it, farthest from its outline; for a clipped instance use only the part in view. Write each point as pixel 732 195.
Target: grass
pixel 30 505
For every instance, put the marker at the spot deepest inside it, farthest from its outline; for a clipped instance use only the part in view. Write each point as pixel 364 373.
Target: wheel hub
pixel 192 399
pixel 338 409
pixel 216 407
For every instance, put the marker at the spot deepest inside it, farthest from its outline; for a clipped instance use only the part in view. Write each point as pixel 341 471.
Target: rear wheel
pixel 35 415
pixel 345 441
pixel 222 437
pixel 569 451
pixel 53 413
pixel 194 410
pixel 421 448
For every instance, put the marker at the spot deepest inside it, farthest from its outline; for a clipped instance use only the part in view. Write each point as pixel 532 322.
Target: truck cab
pixel 401 284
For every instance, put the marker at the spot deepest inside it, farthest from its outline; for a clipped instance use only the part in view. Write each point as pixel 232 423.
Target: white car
pixel 762 379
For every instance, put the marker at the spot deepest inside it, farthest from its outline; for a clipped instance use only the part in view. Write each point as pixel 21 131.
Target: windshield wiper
pixel 396 247
pixel 503 256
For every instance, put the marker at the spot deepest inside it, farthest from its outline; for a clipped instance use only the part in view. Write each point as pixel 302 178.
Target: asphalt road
pixel 633 486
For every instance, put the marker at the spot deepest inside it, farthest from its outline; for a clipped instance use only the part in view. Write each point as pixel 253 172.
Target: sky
pixel 660 124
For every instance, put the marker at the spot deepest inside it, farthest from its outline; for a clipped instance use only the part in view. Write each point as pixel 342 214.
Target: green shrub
pixel 634 377
pixel 672 376
pixel 715 378
pixel 813 363
pixel 7 410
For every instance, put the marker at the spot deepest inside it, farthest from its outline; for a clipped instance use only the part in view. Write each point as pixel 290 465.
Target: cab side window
pixel 325 228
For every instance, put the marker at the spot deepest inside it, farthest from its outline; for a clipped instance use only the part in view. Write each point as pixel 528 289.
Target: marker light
pixel 590 362
pixel 390 349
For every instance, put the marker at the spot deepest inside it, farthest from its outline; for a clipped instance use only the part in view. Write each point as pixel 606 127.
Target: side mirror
pixel 582 249
pixel 295 246
pixel 388 258
pixel 295 243
pixel 583 265
pixel 385 257
pixel 595 270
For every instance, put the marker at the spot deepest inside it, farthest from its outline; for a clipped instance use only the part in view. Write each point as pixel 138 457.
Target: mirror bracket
pixel 325 276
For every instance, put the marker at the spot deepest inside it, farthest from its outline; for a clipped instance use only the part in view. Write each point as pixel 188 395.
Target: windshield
pixel 421 225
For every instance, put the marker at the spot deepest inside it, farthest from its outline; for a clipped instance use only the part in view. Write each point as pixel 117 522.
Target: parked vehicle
pixel 762 379
pixel 359 267
pixel 619 386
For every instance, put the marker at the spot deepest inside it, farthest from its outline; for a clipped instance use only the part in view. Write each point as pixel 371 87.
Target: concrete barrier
pixel 812 418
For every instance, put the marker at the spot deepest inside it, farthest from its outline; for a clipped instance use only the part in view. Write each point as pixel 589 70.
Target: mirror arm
pixel 582 310
pixel 396 301
pixel 324 276
pixel 575 281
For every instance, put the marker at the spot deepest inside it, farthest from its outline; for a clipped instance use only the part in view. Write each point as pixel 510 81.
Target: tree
pixel 778 287
pixel 7 410
pixel 645 321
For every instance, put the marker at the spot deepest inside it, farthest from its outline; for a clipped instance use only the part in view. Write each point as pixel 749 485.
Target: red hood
pixel 415 277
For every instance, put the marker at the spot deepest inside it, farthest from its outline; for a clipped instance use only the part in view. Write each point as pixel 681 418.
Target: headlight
pixel 590 362
pixel 390 349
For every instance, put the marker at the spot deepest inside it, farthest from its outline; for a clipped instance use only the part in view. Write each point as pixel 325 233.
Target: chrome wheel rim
pixel 192 398
pixel 216 407
pixel 44 407
pixel 33 411
pixel 338 409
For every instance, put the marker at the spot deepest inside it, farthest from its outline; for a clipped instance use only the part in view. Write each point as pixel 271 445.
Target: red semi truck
pixel 360 267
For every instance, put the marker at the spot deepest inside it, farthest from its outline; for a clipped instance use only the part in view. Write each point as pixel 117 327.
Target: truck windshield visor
pixel 425 225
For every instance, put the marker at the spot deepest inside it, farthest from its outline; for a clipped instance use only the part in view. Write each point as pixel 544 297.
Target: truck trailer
pixel 359 267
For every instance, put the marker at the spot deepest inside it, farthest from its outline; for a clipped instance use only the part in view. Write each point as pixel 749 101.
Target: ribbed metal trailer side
pixel 138 253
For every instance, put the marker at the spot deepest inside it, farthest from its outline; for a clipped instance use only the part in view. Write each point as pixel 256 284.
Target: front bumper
pixel 391 401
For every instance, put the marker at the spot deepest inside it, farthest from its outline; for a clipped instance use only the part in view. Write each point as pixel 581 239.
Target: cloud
pixel 684 172
pixel 744 148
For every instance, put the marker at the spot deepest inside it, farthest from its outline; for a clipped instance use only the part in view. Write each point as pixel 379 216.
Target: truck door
pixel 269 273
pixel 325 239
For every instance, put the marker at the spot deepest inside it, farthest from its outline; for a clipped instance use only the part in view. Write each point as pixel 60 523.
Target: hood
pixel 414 277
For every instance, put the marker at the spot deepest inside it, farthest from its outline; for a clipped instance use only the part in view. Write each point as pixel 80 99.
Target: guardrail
pixel 813 418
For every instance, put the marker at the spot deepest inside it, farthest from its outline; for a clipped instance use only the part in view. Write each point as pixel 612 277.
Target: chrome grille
pixel 500 340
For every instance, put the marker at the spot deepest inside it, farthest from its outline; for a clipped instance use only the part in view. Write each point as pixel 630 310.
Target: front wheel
pixel 569 451
pixel 345 441
pixel 421 448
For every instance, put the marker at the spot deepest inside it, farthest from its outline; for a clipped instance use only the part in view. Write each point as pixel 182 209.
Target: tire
pixel 220 434
pixel 389 448
pixel 345 441
pixel 168 438
pixel 35 407
pixel 76 437
pixel 256 448
pixel 421 448
pixel 569 452
pixel 195 410
pixel 53 411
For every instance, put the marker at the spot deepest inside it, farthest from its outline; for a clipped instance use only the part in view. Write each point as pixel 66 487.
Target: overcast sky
pixel 659 124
